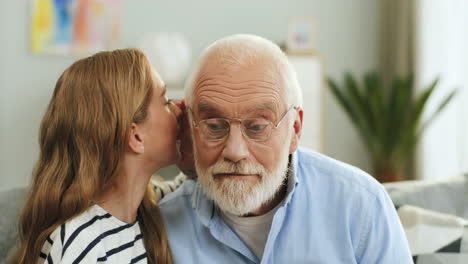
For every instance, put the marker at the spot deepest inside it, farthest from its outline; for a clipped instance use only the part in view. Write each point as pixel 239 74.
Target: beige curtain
pixel 397 47
pixel 396 38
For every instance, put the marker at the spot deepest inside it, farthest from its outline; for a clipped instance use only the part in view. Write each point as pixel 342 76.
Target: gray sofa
pixel 447 196
pixel 11 202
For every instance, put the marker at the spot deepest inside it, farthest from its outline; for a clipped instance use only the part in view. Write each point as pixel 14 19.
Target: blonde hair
pixel 83 137
pixel 244 50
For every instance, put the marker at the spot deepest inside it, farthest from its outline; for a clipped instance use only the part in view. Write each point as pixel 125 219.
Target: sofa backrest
pixel 11 203
pixel 447 196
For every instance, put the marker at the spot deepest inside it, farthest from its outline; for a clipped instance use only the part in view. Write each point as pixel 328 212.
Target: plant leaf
pixel 422 100
pixel 439 109
pixel 342 99
pixel 353 110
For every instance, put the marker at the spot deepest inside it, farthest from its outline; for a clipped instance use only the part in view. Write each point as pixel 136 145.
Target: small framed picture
pixel 301 35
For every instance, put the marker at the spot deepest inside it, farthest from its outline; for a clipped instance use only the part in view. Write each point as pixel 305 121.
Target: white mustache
pixel 242 167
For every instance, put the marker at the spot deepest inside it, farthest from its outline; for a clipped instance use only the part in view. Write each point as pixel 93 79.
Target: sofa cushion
pixel 435 237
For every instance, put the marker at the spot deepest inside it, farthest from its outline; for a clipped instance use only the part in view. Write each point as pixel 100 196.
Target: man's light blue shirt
pixel 333 213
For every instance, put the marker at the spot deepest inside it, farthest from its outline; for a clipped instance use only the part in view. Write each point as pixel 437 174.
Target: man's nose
pixel 236 148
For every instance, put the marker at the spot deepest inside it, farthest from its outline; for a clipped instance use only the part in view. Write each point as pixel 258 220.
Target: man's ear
pixel 135 141
pixel 297 130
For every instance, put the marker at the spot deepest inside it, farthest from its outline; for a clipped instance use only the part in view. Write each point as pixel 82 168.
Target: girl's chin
pixel 173 156
pixel 168 157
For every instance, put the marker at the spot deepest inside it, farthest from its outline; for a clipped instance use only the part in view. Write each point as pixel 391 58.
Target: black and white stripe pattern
pixel 95 237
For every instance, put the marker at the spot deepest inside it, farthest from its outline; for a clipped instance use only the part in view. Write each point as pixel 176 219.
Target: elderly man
pixel 258 197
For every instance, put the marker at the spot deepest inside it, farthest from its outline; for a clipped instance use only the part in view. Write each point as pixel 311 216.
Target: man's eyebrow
pixel 205 107
pixel 269 106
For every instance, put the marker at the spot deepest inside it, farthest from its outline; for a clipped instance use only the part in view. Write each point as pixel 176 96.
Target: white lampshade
pixel 170 54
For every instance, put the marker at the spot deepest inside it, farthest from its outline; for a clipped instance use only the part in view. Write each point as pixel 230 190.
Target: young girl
pixel 107 129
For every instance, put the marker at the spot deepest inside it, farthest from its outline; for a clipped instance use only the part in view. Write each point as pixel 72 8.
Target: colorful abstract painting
pixel 74 27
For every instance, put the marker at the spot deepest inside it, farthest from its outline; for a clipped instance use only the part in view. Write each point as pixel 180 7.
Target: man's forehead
pixel 239 69
pixel 238 82
pixel 216 99
pixel 225 81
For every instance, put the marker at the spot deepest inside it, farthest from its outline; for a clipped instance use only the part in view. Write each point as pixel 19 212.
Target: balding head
pixel 242 52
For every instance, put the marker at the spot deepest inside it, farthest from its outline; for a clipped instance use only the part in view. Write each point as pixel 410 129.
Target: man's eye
pixel 216 125
pixel 256 126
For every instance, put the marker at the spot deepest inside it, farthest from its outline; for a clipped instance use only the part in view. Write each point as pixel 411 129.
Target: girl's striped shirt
pixel 95 237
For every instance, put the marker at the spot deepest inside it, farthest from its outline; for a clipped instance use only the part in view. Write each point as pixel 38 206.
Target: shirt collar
pixel 293 180
pixel 202 205
pixel 205 207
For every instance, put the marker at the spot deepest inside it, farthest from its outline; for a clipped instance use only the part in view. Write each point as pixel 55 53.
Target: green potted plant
pixel 388 119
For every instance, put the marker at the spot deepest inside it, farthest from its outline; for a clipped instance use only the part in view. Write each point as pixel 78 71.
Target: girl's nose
pixel 177 109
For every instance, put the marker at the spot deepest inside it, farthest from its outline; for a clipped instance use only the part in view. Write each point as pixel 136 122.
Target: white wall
pixel 347 38
pixel 26 85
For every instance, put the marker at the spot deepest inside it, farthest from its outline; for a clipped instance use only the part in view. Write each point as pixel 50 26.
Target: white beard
pixel 241 197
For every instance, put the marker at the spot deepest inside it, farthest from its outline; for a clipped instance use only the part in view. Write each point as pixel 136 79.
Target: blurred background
pixel 323 39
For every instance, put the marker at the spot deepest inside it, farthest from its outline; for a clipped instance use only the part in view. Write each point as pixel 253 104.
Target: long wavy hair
pixel 83 138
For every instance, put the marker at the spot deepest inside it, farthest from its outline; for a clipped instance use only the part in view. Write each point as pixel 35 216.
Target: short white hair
pixel 244 50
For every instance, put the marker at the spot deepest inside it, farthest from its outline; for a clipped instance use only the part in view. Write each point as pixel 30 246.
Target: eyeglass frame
pixel 240 120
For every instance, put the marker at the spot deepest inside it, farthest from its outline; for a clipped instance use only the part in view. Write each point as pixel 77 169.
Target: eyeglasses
pixel 255 129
